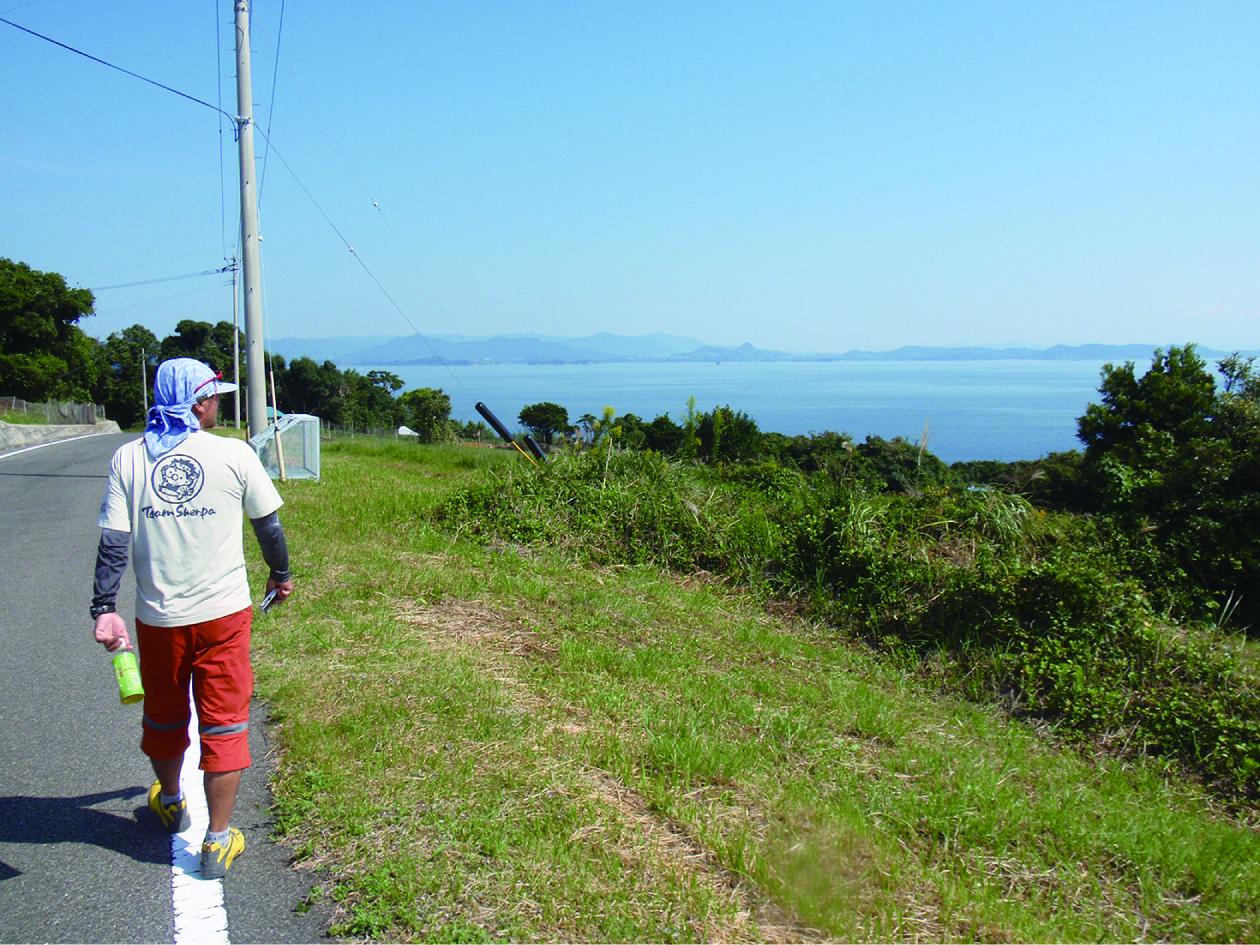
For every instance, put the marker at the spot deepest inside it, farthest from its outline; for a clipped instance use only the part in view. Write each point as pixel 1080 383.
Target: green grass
pixel 21 417
pixel 494 742
pixel 1007 604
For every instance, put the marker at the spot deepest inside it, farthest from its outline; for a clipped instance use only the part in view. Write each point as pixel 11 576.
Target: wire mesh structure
pixel 55 412
pixel 297 455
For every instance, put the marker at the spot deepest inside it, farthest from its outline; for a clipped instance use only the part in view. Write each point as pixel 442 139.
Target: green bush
pixel 1018 605
pixel 1173 457
pixel 1051 482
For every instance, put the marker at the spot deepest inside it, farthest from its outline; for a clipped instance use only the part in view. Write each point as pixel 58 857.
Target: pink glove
pixel 111 632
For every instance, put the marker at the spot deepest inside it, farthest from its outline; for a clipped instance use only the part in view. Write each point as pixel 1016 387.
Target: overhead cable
pixel 334 138
pixel 271 105
pixel 218 90
pixel 371 275
pixel 150 263
pixel 109 313
pixel 134 75
pixel 187 275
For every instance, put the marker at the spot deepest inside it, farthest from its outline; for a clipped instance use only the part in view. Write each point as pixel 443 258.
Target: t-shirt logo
pixel 178 478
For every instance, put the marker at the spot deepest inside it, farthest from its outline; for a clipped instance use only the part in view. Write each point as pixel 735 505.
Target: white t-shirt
pixel 184 515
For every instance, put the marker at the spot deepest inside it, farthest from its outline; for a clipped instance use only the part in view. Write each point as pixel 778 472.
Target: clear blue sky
pixel 804 176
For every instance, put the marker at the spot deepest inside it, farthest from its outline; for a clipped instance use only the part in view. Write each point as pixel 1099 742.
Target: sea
pixel 965 410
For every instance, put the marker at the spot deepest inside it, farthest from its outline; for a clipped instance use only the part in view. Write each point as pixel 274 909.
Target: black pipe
pixel 500 429
pixel 494 421
pixel 534 447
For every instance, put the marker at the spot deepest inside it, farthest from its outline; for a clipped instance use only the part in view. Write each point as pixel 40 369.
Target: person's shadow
pixel 76 820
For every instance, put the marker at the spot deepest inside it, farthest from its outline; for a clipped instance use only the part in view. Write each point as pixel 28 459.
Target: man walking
pixel 176 496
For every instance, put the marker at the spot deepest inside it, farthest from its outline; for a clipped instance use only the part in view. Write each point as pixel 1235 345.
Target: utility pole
pixel 256 385
pixel 144 380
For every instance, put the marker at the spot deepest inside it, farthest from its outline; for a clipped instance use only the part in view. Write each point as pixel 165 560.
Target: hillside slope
pixel 495 741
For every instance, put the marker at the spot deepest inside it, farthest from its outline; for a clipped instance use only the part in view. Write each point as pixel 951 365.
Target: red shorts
pixel 215 655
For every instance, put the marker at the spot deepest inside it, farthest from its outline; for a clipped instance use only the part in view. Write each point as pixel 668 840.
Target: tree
pixel 1241 377
pixel 308 387
pixel 386 380
pixel 1167 408
pixel 663 435
pixel 826 450
pixel 1052 482
pixel 689 447
pixel 633 431
pixel 427 410
pixel 368 401
pixel 544 420
pixel 728 436
pixel 121 380
pixel 1173 462
pixel 211 344
pixel 43 352
pixel 902 466
pixel 1142 439
pixel 472 430
pixel 606 428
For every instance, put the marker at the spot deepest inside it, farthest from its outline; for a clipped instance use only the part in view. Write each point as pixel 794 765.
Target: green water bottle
pixel 127 672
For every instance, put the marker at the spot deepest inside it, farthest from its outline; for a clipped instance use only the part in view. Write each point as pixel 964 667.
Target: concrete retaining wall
pixel 15 435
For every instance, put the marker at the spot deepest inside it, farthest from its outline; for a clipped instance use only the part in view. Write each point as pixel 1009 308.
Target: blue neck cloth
pixel 175 390
pixel 168 427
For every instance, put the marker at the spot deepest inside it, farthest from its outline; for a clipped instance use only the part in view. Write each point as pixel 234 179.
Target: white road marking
pixel 40 446
pixel 199 912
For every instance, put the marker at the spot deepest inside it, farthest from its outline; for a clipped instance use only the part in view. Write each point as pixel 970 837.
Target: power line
pixel 218 88
pixel 270 147
pixel 185 95
pixel 187 275
pixel 415 267
pixel 371 275
pixel 148 263
pixel 28 3
pixel 134 75
pixel 271 105
pixel 110 313
pixel 262 182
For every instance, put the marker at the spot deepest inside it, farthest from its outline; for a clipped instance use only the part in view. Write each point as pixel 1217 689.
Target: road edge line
pixel 40 446
pixel 198 912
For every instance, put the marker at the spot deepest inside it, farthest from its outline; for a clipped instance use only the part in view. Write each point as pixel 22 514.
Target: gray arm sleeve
pixel 275 549
pixel 111 562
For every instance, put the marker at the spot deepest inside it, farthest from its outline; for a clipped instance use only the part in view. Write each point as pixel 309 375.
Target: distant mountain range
pixel 604 348
pixel 1138 353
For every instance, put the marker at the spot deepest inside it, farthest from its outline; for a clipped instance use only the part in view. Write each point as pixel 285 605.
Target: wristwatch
pixel 97 609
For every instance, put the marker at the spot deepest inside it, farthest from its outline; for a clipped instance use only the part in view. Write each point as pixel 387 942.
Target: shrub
pixel 1172 456
pixel 1027 607
pixel 1051 482
pixel 663 435
pixel 902 466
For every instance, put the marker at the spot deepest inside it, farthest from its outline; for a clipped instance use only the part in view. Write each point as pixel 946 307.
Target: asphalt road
pixel 80 861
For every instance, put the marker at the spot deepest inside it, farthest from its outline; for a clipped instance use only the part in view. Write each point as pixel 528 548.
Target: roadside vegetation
pixel 628 698
pixel 689 680
pixel 1115 626
pixel 998 601
pixel 19 417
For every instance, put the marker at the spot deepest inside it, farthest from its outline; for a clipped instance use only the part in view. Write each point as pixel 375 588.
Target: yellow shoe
pixel 217 858
pixel 173 817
